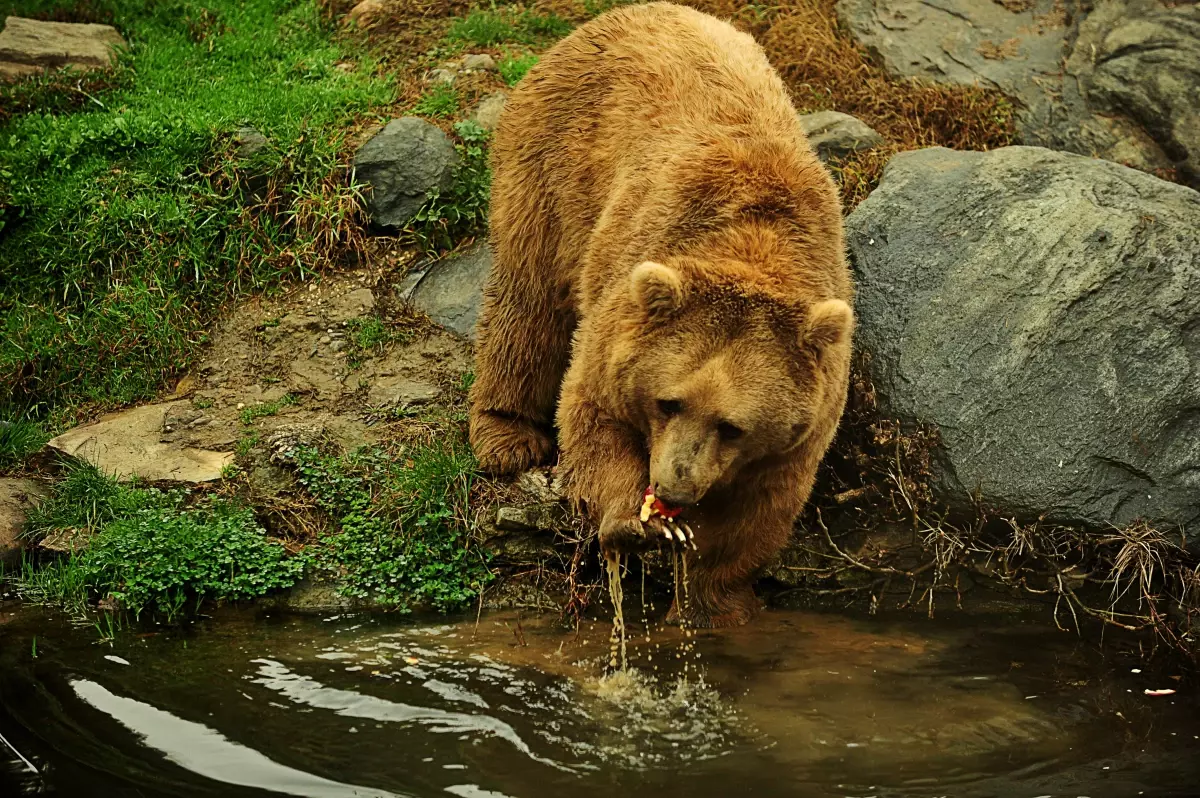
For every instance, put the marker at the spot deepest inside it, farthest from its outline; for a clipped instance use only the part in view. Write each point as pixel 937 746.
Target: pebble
pixel 325 339
pixel 481 61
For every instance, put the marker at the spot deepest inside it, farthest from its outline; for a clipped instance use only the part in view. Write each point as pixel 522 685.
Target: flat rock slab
pixel 17 498
pixel 832 133
pixel 1042 311
pixel 451 291
pixel 29 45
pixel 130 443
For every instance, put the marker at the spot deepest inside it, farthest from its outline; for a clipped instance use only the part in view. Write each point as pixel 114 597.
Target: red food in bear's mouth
pixel 659 507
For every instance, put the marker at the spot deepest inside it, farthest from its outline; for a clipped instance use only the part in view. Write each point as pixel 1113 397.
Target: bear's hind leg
pixel 524 338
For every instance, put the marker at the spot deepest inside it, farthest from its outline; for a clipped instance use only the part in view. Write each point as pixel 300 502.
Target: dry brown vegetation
pixel 821 64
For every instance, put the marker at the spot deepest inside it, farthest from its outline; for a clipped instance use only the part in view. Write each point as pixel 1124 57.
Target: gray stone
pixel 479 61
pixel 451 291
pixel 249 142
pixel 17 498
pixel 402 164
pixel 131 443
pixel 540 484
pixel 487 113
pixel 832 133
pixel 1042 310
pixel 442 75
pixel 1120 81
pixel 28 46
pixel 532 517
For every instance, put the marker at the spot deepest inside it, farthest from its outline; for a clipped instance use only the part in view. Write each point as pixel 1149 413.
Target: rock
pixel 366 12
pixel 832 133
pixel 288 437
pixel 1042 310
pixel 17 498
pixel 967 42
pixel 401 391
pixel 442 75
pixel 270 480
pixel 312 596
pixel 479 61
pixel 541 485
pixel 533 517
pixel 28 46
pixel 1140 61
pixel 451 291
pixel 1129 92
pixel 249 142
pixel 401 164
pixel 129 444
pixel 487 113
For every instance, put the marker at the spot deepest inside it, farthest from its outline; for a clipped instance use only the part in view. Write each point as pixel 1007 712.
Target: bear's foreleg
pixel 606 469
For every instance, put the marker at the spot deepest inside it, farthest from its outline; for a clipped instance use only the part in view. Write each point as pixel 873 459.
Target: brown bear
pixel 668 266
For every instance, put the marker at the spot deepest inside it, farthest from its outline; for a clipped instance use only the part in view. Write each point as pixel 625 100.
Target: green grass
pixel 400 534
pixel 487 28
pixel 19 438
pixel 151 551
pixel 439 102
pixel 513 67
pixel 252 413
pixel 444 218
pixel 124 215
pixel 371 335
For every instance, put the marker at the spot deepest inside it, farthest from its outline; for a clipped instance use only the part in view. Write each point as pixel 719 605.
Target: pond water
pixel 797 704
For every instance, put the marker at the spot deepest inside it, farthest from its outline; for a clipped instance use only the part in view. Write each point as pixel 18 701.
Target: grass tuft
pixel 488 28
pixel 445 218
pixel 18 440
pixel 439 102
pixel 514 67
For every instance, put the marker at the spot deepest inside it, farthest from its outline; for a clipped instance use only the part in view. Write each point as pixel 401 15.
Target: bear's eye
pixel 670 407
pixel 729 432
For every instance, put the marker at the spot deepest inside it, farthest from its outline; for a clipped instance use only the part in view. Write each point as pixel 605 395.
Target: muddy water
pixel 798 704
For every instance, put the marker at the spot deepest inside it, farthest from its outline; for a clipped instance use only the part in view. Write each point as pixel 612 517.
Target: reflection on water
pixel 797 704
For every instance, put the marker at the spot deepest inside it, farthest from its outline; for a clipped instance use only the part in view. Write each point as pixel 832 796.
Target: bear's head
pixel 721 373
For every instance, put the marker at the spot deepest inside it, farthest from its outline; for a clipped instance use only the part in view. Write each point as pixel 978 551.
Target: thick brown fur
pixel 668 266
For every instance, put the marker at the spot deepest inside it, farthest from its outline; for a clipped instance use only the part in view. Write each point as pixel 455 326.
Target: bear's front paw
pixel 630 534
pixel 508 445
pixel 625 535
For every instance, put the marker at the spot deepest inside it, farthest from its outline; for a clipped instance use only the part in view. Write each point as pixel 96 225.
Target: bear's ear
pixel 658 289
pixel 829 323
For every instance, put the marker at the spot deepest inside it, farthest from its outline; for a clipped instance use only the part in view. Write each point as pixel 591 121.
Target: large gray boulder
pixel 1042 310
pixel 1119 79
pixel 401 165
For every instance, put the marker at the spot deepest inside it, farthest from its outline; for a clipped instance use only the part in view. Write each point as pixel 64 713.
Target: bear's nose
pixel 675 498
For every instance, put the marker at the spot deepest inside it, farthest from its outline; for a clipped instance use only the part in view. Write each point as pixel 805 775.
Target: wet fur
pixel 659 134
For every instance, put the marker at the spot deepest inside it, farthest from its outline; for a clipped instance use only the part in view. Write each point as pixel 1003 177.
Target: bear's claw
pixel 675 531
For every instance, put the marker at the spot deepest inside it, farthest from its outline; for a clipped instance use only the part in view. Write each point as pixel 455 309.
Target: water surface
pixel 797 704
